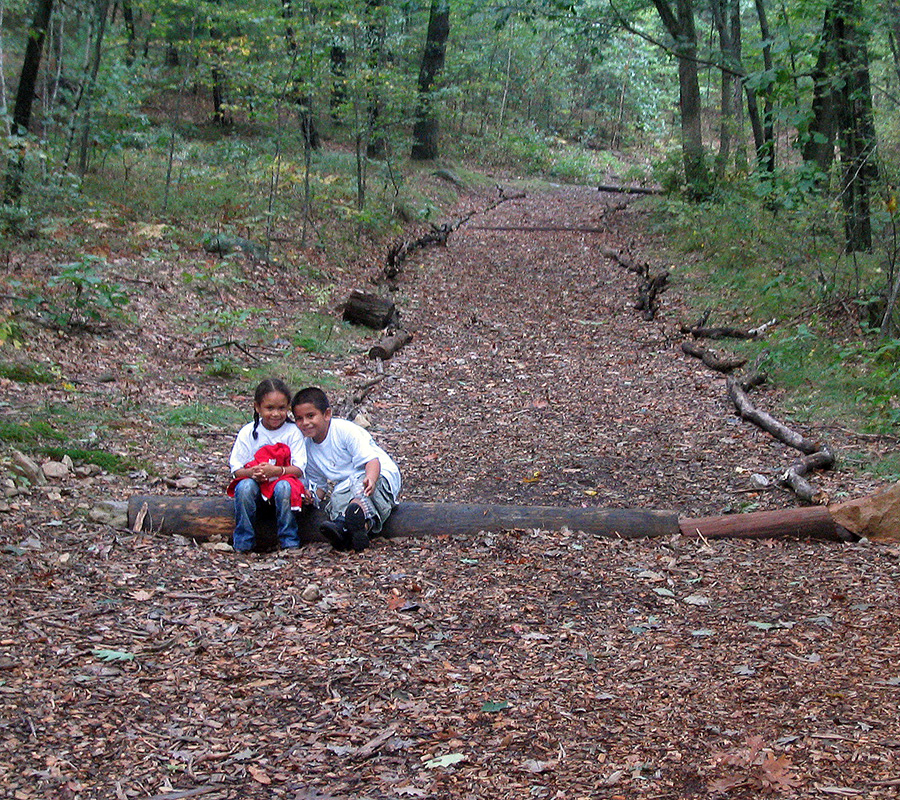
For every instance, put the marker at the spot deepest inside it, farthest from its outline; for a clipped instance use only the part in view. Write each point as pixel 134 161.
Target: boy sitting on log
pixel 365 478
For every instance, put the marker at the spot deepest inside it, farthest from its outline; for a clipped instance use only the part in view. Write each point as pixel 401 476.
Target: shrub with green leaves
pixel 77 296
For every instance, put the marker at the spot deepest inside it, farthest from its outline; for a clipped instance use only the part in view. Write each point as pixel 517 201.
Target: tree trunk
pixel 102 9
pixel 15 171
pixel 680 25
pixel 302 98
pixel 338 62
pixel 767 155
pixel 842 111
pixel 376 146
pixel 856 130
pixel 425 129
pixel 821 133
pixel 128 19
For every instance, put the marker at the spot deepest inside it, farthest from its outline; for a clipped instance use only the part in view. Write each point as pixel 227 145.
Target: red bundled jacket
pixel 279 455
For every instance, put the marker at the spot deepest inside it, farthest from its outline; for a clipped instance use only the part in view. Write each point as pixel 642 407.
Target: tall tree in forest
pixel 679 22
pixel 766 154
pixel 80 126
pixel 15 168
pixel 300 89
pixel 842 112
pixel 425 129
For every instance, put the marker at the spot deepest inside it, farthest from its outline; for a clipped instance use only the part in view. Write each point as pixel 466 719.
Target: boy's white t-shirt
pixel 245 446
pixel 343 455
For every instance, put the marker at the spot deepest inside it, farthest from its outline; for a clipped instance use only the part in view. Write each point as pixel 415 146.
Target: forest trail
pixel 533 379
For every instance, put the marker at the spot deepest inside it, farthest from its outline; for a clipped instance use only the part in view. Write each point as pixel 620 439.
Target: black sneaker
pixel 335 534
pixel 356 530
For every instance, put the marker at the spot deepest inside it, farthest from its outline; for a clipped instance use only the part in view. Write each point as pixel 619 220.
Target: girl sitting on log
pixel 267 463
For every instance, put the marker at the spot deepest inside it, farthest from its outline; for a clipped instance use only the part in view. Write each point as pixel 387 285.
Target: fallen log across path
pixel 212 520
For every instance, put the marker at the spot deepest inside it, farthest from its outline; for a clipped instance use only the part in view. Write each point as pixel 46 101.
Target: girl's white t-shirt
pixel 245 446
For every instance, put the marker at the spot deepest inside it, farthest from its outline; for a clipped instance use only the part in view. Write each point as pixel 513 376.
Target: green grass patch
pixel 199 415
pixel 30 433
pixel 27 373
pixel 111 462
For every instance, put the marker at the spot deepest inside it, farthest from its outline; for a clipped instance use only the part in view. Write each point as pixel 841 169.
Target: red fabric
pixel 279 455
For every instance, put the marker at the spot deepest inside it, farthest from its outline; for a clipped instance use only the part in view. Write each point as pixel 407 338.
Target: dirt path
pixel 533 379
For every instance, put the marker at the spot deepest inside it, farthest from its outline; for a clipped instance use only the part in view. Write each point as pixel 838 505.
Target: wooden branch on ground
pixel 794 475
pixel 388 345
pixel 438 235
pixel 726 332
pixel 628 189
pixel 648 294
pixel 816 456
pixel 651 285
pixel 712 359
pixel 766 422
pixel 362 392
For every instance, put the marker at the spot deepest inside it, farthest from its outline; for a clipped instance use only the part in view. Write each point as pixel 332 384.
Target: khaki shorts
pixel 382 499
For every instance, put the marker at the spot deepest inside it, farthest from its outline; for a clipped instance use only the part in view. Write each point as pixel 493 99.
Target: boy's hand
pixel 368 486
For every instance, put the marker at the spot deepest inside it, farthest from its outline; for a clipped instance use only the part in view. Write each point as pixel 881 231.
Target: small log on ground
pixel 712 359
pixel 813 522
pixel 726 332
pixel 212 519
pixel 370 310
pixel 388 345
pixel 767 422
pixel 794 475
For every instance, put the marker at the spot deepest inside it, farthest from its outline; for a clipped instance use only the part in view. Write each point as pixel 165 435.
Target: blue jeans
pixel 247 500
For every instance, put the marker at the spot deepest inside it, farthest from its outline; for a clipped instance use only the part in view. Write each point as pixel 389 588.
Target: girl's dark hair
pixel 268 386
pixel 314 395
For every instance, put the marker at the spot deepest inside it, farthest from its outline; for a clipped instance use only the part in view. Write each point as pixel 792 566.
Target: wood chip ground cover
pixel 528 663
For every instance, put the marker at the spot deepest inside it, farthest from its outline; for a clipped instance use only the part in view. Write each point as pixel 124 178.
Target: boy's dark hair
pixel 313 395
pixel 267 386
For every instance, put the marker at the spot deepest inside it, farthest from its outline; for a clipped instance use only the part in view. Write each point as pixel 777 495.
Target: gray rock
pixel 110 512
pixel 26 468
pixel 55 470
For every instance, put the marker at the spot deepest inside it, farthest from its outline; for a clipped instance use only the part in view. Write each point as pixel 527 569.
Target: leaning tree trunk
pixel 425 129
pixel 15 170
